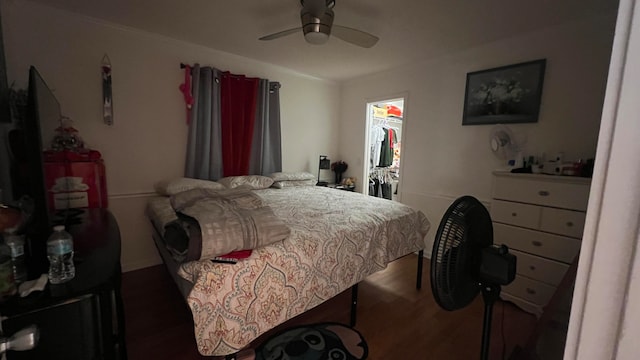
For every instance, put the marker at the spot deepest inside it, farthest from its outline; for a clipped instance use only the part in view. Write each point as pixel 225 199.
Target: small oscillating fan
pixel 465 262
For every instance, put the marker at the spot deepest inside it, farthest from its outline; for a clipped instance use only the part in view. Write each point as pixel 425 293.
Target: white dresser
pixel 541 219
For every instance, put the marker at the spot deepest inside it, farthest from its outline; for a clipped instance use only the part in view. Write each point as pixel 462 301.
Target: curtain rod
pixel 271 83
pixel 183 65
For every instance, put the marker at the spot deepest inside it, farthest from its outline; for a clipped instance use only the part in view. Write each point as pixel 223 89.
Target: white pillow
pixel 255 182
pixel 284 176
pixel 292 183
pixel 174 186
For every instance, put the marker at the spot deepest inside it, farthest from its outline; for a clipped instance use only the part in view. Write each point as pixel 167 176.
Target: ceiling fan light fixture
pixel 316 38
pixel 317 29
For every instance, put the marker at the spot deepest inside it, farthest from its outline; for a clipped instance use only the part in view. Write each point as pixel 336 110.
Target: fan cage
pixel 456 253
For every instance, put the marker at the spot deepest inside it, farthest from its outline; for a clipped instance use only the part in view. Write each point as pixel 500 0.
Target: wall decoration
pixel 107 97
pixel 504 95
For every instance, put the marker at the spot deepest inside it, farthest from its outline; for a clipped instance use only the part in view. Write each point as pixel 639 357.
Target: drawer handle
pixel 532 268
pixel 530 291
pixel 536 243
pixel 543 193
pixel 569 224
pixel 514 214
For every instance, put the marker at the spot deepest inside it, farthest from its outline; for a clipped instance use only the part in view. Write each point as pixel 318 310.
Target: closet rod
pixel 396 120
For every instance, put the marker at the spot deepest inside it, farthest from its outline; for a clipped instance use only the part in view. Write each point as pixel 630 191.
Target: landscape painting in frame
pixel 504 95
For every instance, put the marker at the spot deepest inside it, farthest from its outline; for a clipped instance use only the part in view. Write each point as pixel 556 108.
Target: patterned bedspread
pixel 337 239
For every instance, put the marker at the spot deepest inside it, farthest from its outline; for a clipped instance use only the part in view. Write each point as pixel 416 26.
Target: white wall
pixel 148 140
pixel 441 159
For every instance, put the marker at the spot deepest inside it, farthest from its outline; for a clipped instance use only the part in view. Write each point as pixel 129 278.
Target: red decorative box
pixel 75 181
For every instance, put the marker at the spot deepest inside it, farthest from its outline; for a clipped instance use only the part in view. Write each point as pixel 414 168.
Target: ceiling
pixel 409 30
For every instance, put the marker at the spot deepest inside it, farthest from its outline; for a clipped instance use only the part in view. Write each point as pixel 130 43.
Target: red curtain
pixel 238 100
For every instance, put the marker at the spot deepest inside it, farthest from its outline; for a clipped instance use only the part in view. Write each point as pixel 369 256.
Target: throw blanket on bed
pixel 337 239
pixel 230 220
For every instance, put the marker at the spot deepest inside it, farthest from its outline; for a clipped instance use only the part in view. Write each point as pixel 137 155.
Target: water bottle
pixel 16 244
pixel 7 284
pixel 60 254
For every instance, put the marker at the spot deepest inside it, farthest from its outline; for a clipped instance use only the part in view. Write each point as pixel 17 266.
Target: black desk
pixel 82 318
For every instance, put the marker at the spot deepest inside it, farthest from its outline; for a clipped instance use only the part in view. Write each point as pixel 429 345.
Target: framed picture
pixel 504 95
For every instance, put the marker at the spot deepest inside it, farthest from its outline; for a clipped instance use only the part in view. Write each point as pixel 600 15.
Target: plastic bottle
pixel 16 244
pixel 60 254
pixel 7 284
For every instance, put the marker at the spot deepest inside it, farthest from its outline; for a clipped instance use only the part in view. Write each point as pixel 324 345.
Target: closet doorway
pixel 384 131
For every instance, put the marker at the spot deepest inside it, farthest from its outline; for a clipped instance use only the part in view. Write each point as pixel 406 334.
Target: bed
pixel 337 238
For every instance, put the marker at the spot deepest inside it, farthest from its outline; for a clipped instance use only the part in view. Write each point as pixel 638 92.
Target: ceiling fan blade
pixel 354 36
pixel 281 34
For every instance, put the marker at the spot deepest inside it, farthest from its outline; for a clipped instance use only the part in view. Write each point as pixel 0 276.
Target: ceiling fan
pixel 317 25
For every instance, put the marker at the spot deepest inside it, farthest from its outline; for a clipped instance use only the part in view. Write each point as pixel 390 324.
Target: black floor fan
pixel 464 262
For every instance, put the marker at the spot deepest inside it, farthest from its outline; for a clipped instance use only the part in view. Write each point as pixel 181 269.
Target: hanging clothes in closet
pixel 382 139
pixel 376 137
pixel 380 183
pixel 386 148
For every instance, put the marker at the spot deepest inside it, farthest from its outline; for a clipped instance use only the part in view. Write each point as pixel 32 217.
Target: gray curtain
pixel 204 144
pixel 266 150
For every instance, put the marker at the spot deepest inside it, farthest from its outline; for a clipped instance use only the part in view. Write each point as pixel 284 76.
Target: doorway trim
pixel 367 127
pixel 604 318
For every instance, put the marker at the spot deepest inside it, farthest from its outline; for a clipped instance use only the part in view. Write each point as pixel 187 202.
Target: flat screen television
pixel 25 140
pixel 43 117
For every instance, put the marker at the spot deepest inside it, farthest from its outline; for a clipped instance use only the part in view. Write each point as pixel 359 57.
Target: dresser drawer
pixel 530 290
pixel 563 222
pixel 541 191
pixel 538 268
pixel 516 214
pixel 551 246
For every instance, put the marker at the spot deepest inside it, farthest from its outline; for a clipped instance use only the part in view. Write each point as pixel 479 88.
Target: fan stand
pixel 490 293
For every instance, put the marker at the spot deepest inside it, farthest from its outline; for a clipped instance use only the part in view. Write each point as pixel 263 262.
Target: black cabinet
pixel 82 318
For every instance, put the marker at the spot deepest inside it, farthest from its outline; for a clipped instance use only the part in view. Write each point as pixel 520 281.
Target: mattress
pixel 337 239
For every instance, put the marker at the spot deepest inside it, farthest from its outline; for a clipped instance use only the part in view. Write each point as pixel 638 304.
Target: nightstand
pixel 82 318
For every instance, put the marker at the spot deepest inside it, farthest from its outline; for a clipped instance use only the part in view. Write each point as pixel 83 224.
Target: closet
pixel 383 147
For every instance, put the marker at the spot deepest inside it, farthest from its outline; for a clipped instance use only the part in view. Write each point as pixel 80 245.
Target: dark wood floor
pixel 398 321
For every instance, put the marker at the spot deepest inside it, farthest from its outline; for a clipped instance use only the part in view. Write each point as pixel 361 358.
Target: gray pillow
pixel 286 176
pixel 174 186
pixel 255 182
pixel 293 183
